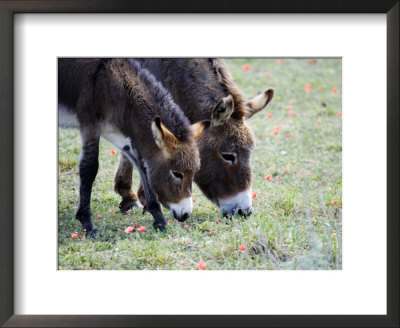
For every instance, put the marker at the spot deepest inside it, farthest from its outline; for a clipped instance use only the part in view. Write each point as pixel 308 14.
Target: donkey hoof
pixel 94 233
pixel 128 204
pixel 159 226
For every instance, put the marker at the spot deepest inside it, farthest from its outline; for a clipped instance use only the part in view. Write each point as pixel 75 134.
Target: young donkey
pixel 204 89
pixel 121 101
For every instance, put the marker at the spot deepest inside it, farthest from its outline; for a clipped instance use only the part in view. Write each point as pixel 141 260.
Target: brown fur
pixel 123 183
pixel 183 154
pixel 225 79
pixel 202 87
pixel 118 95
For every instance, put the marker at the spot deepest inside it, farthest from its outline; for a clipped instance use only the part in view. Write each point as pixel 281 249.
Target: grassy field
pixel 297 184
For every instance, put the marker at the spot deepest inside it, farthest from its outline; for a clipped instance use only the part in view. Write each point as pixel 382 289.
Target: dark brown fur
pixel 198 86
pixel 117 97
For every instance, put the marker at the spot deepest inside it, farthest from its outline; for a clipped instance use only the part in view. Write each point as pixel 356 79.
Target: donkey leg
pixel 123 185
pixel 152 204
pixel 154 208
pixel 141 195
pixel 88 167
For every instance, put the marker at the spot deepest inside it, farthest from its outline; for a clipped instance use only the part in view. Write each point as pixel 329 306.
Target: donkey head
pixel 225 149
pixel 172 167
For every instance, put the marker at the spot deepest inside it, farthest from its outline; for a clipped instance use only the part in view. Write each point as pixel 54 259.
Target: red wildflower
pixel 194 201
pixel 142 229
pixel 319 122
pixel 242 247
pixel 128 229
pixel 339 115
pixel 333 234
pixel 99 216
pixel 288 135
pixel 80 237
pixel 186 226
pixel 289 107
pixel 312 61
pixel 246 67
pixel 201 265
pixel 267 74
pixel 267 177
pixel 278 61
pixel 113 151
pixel 334 202
pixel 286 171
pixel 273 214
pixel 254 194
pixel 217 221
pixel 334 90
pixel 170 221
pixel 276 131
pixel 212 232
pixel 135 225
pixel 291 114
pixel 308 174
pixel 270 115
pixel 74 235
pixel 183 262
pixel 307 87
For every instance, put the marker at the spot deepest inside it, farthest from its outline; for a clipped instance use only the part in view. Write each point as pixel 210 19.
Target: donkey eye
pixel 177 175
pixel 229 157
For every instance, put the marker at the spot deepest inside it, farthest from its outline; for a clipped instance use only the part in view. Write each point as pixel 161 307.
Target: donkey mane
pixel 225 79
pixel 169 112
pixel 197 84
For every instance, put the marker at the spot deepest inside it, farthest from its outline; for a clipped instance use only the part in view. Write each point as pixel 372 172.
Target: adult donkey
pixel 204 89
pixel 124 103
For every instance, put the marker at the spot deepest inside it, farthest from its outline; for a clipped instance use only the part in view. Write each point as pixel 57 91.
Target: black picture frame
pixel 7 200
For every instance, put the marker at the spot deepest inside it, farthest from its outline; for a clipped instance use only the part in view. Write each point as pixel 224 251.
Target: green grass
pixel 295 225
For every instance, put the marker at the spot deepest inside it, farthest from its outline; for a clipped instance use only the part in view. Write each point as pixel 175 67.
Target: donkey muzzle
pixel 182 218
pixel 182 210
pixel 237 211
pixel 245 212
pixel 240 204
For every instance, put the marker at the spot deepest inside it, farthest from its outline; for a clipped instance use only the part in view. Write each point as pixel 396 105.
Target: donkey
pixel 205 89
pixel 124 103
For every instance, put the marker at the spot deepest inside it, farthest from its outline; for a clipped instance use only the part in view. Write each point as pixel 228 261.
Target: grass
pixel 295 224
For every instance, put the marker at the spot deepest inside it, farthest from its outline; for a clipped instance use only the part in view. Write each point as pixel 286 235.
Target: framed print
pixel 298 245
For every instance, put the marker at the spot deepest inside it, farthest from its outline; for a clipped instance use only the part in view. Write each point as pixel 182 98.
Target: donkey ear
pixel 222 111
pixel 259 102
pixel 199 128
pixel 163 138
